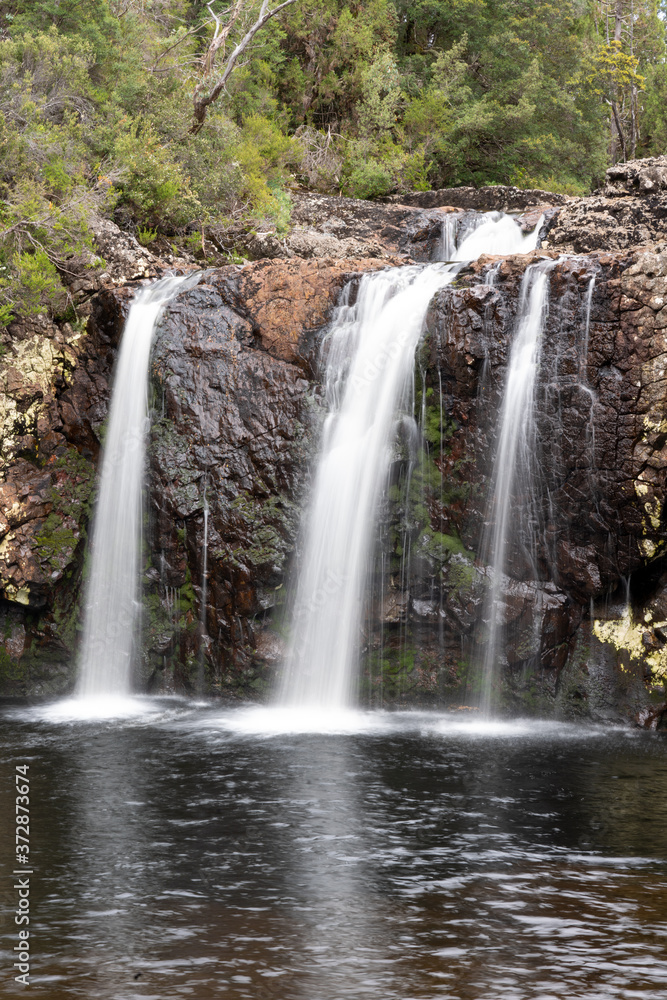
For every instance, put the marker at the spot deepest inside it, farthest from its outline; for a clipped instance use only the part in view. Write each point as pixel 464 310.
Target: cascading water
pixel 448 236
pixel 513 468
pixel 112 594
pixel 203 632
pixel 370 360
pixel 495 234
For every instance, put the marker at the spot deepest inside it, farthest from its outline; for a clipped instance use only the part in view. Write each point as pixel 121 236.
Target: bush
pixel 32 285
pixel 369 180
pixel 152 183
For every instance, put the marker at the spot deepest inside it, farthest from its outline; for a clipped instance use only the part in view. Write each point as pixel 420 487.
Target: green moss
pixel 67 619
pixel 462 575
pixel 440 547
pixel 271 522
pixel 407 669
pixel 186 596
pixel 12 671
pixel 71 499
pixel 55 542
pixel 437 427
pixel 160 624
pixel 74 494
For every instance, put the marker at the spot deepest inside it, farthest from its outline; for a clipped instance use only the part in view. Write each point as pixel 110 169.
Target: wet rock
pixel 607 441
pixel 651 718
pixel 500 198
pixel 600 449
pixel 53 390
pixel 286 303
pixel 235 405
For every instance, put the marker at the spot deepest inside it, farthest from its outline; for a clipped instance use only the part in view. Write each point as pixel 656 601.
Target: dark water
pixel 180 854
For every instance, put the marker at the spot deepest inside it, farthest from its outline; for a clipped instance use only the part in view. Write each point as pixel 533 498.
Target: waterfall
pixel 495 233
pixel 587 326
pixel 203 631
pixel 370 352
pixel 513 467
pixel 448 236
pixel 112 599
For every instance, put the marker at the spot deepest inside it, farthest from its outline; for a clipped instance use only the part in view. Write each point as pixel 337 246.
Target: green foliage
pixel 37 281
pixel 362 99
pixel 368 179
pixel 55 541
pixel 151 182
pixel 146 236
pixel 263 153
pixel 653 138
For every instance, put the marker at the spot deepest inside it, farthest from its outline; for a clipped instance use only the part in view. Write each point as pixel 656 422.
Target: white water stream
pixel 370 360
pixel 514 455
pixel 112 601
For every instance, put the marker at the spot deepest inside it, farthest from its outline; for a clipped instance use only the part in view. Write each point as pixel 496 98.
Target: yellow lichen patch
pixel 32 368
pixel 627 635
pixel 5 543
pixel 648 548
pixel 18 594
pixel 654 511
pixel 654 426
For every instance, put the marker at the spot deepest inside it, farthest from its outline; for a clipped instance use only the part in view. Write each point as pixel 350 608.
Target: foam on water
pixel 266 721
pixel 109 707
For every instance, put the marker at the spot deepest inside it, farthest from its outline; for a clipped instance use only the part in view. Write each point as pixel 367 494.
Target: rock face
pixel 234 376
pixel 53 396
pixel 325 226
pixel 54 391
pixel 500 198
pixel 597 514
pixel 231 378
pixel 631 211
pixel 642 177
pixel 236 410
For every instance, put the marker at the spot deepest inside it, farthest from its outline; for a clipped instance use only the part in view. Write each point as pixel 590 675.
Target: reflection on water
pixel 181 851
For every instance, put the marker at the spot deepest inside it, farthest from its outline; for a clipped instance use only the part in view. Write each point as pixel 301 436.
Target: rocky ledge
pixel 235 410
pixel 630 211
pixel 585 612
pixel 231 378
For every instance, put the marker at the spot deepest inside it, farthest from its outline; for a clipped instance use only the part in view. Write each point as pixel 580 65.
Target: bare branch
pixel 221 34
pixel 202 100
pixel 192 31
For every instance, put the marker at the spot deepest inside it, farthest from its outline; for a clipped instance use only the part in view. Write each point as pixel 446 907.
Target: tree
pixel 209 90
pixel 631 50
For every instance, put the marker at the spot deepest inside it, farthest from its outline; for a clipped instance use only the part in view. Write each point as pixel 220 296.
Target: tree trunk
pixel 203 98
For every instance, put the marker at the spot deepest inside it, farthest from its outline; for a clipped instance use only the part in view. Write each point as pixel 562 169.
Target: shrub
pixel 369 180
pixel 152 183
pixel 32 285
